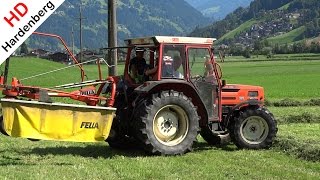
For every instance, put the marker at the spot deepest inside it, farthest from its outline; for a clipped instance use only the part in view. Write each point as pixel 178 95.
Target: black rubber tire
pixel 2 131
pixel 171 107
pixel 210 137
pixel 119 139
pixel 261 118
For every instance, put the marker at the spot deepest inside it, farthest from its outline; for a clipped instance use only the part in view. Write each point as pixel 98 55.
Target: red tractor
pixel 179 94
pixel 171 91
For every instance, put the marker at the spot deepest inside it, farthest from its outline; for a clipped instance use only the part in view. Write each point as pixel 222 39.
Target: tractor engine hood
pixel 233 94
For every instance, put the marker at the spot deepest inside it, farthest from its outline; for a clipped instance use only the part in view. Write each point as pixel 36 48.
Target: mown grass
pixel 300 140
pixel 302 114
pixel 23 159
pixel 298 134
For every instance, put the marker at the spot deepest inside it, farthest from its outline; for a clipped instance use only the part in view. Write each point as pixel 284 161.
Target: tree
pixel 246 53
pixel 24 48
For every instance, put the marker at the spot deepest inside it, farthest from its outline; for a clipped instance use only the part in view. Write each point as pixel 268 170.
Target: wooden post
pixel 6 71
pixel 112 37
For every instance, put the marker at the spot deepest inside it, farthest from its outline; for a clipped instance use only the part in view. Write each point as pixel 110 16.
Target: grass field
pixel 295 155
pixel 281 79
pixel 284 76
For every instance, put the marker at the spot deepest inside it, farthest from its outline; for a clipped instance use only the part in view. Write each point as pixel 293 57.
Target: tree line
pixel 265 48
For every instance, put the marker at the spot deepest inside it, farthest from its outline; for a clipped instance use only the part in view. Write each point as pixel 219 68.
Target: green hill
pixel 277 21
pixel 289 37
pixel 242 28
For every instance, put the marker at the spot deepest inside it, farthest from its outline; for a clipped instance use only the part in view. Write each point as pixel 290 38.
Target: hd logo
pixel 89 125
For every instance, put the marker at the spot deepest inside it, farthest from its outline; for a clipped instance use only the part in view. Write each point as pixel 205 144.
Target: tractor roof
pixel 169 39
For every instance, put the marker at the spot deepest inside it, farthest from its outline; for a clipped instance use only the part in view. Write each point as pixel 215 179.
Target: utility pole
pixel 72 39
pixel 112 37
pixel 81 18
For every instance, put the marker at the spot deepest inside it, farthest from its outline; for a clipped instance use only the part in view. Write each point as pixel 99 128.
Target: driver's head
pixel 140 52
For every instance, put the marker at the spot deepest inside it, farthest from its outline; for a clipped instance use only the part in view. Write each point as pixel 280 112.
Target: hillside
pixel 281 22
pixel 218 9
pixel 135 18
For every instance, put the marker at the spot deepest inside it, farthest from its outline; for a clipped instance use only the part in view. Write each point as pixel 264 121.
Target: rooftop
pixel 169 39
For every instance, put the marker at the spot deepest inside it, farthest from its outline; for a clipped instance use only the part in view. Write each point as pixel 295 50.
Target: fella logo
pixel 89 125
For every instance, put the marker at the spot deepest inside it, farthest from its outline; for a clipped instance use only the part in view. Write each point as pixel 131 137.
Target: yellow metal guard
pixel 56 121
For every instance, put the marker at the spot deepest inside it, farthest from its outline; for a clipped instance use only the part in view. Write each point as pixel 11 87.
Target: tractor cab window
pixel 141 59
pixel 200 63
pixel 173 62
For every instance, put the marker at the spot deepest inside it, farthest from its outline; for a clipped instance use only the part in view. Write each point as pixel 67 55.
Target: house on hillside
pixel 39 53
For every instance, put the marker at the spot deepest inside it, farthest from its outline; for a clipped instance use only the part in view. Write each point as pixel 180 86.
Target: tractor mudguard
pixel 239 106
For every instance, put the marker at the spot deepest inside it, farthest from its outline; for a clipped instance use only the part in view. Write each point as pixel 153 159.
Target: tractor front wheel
pixel 167 123
pixel 254 129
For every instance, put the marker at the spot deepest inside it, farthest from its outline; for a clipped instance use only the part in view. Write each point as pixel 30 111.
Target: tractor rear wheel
pixel 254 129
pixel 119 137
pixel 167 123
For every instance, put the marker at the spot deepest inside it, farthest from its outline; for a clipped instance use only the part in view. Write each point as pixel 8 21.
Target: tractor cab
pixel 170 58
pixel 183 64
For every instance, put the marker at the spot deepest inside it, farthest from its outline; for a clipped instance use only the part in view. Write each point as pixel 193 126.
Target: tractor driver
pixel 138 65
pixel 208 67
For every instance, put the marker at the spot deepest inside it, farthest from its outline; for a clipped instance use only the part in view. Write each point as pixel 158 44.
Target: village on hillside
pixel 278 23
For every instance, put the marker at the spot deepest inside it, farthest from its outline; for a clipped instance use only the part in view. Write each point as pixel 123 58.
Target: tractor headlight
pixel 253 94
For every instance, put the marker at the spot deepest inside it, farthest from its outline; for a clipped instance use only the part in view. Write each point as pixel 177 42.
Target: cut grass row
pixel 300 140
pixel 299 131
pixel 302 114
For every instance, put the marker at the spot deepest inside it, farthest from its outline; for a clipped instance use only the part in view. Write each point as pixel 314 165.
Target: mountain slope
pixel 218 9
pixel 279 21
pixel 135 18
pixel 289 37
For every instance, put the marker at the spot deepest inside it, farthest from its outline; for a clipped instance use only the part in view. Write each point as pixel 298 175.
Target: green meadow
pixel 295 154
pixel 280 79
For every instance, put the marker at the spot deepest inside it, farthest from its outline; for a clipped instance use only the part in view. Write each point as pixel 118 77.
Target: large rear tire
pixel 119 137
pixel 167 123
pixel 254 129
